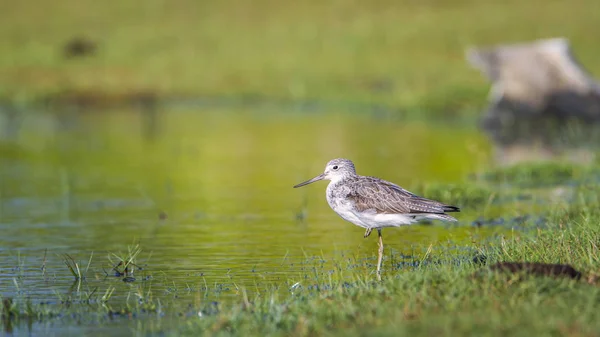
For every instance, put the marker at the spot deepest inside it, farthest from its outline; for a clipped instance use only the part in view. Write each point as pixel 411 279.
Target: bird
pixel 374 203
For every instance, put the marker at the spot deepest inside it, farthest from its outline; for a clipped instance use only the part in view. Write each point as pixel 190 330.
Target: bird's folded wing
pixel 387 198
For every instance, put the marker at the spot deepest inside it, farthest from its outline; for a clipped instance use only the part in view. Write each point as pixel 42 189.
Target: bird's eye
pixel 335 167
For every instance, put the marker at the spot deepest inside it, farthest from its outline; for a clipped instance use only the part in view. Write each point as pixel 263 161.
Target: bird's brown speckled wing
pixel 369 193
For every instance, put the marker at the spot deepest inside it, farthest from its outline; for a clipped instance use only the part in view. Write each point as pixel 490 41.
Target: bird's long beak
pixel 317 178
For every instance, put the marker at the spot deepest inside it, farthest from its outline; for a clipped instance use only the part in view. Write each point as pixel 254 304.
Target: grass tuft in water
pixel 73 266
pixel 125 264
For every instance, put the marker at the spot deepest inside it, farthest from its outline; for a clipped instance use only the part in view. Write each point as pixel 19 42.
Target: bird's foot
pixel 368 232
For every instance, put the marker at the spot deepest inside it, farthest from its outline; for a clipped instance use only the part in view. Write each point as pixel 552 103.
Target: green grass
pixel 405 53
pixel 428 298
pixel 440 299
pixel 537 174
pixel 434 294
pixel 465 194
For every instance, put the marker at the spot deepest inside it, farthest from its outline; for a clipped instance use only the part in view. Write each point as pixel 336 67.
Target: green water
pixel 97 182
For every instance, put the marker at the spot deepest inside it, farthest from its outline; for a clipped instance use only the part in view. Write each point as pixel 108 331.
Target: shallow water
pixel 208 195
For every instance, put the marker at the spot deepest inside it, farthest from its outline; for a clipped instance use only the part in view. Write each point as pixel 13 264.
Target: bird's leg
pixel 380 257
pixel 368 232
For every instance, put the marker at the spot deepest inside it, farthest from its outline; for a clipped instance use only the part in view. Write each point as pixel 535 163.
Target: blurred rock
pixel 543 104
pixel 79 47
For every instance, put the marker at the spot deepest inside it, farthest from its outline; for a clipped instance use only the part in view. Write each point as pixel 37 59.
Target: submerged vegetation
pixel 440 292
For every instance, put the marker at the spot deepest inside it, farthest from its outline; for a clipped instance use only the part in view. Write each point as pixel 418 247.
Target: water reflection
pixel 210 198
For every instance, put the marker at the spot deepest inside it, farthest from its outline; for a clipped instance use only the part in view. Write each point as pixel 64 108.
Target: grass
pixel 428 298
pixel 407 54
pixel 538 174
pixel 125 264
pixel 440 299
pixel 465 194
pixel 438 293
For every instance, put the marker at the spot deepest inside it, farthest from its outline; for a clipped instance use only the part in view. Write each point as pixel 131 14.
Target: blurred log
pixel 537 269
pixel 540 95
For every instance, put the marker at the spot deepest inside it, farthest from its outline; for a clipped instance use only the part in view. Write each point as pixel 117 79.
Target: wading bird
pixel 373 203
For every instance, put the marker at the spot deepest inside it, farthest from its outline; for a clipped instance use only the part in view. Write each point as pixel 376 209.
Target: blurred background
pixel 183 125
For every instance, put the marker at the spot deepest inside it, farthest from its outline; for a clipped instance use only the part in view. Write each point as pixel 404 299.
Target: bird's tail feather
pixel 448 208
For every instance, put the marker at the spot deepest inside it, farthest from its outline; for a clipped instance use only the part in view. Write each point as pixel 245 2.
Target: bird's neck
pixel 339 179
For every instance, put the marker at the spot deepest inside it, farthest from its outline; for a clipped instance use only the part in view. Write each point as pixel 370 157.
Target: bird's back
pixel 384 197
